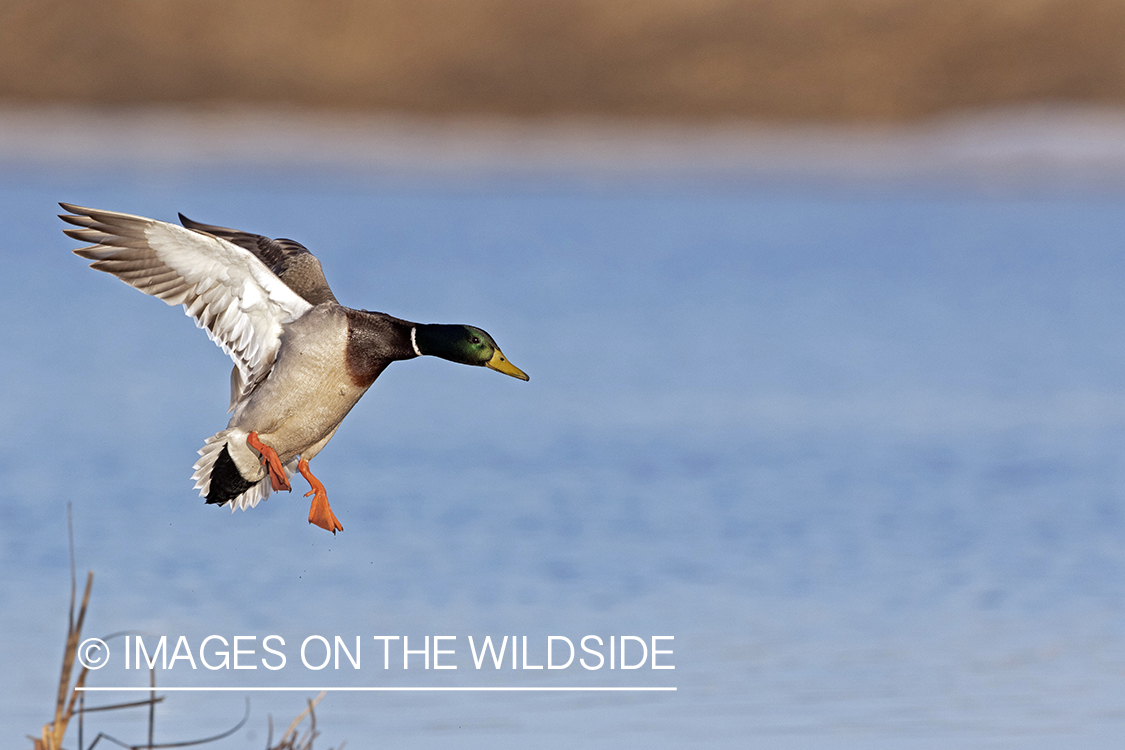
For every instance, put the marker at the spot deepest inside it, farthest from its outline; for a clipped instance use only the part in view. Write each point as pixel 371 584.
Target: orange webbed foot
pixel 272 463
pixel 320 512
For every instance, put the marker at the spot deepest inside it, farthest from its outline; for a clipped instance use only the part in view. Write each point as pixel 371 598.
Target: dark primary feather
pixel 289 260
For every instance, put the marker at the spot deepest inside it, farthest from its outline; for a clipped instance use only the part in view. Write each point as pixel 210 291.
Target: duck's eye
pixel 475 339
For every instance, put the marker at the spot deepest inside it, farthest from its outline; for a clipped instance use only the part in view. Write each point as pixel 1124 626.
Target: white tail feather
pixel 235 441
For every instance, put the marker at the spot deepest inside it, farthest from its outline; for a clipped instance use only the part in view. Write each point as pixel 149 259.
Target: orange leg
pixel 320 512
pixel 271 462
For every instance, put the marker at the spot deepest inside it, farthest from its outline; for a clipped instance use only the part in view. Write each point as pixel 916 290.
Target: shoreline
pixel 1002 148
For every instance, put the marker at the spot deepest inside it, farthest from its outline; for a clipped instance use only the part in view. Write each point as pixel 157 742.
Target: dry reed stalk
pixel 291 739
pixel 53 733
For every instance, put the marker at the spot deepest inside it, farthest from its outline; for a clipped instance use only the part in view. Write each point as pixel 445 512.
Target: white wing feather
pixel 228 291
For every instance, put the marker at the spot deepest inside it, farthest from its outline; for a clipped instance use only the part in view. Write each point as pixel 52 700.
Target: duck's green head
pixel 464 344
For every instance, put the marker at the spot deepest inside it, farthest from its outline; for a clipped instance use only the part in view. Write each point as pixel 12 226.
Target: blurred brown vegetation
pixel 779 59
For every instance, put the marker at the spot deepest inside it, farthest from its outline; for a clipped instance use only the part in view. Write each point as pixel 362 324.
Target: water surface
pixel 857 449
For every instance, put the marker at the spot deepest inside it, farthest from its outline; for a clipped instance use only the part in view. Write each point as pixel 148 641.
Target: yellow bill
pixel 500 364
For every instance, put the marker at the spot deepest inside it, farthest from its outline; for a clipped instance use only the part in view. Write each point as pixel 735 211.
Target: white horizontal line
pixel 379 689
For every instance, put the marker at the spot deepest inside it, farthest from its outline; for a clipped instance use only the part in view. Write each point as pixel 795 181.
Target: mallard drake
pixel 301 359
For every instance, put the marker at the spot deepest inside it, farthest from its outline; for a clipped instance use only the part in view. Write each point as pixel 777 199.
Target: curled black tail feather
pixel 227 482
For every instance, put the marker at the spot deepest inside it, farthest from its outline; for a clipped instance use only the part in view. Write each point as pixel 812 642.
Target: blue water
pixel 858 449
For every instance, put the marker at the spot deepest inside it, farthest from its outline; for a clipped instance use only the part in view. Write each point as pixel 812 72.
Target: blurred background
pixel 822 310
pixel 826 60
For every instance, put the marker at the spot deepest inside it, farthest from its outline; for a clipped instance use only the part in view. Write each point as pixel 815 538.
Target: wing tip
pixel 76 213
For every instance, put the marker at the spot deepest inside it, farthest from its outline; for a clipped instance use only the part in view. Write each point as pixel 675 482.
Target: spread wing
pixel 227 290
pixel 289 260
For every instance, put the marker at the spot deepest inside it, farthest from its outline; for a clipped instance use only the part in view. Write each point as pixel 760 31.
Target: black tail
pixel 227 482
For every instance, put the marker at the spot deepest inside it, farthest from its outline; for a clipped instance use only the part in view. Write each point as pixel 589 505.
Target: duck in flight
pixel 301 359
